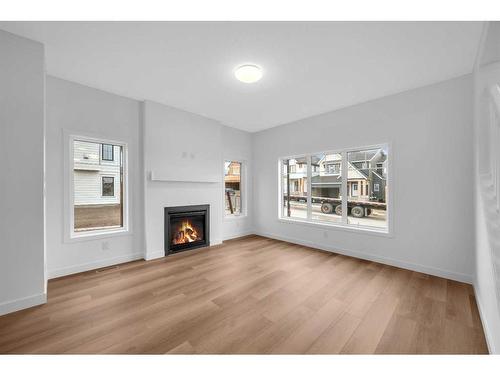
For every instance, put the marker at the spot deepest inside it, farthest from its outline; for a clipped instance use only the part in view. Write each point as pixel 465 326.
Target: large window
pixel 97 187
pixel 232 188
pixel 346 188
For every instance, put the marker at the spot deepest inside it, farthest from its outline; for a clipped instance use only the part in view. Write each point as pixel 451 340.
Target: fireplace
pixel 186 228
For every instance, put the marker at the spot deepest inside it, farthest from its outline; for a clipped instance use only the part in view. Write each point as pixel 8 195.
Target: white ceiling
pixel 309 67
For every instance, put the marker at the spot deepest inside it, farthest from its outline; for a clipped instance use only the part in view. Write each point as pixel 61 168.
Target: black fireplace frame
pixel 176 210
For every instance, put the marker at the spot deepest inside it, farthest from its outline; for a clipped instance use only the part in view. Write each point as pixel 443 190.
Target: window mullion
pixel 309 193
pixel 344 174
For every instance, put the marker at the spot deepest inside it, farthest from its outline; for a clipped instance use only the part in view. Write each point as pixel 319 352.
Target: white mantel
pixel 183 174
pixel 183 164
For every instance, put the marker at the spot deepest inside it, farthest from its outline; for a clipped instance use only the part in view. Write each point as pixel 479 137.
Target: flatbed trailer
pixel 334 205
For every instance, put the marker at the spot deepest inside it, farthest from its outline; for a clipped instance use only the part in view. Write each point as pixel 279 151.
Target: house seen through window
pixel 97 186
pixel 232 188
pixel 318 187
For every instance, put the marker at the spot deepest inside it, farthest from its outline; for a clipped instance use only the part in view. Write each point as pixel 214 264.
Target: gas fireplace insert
pixel 186 228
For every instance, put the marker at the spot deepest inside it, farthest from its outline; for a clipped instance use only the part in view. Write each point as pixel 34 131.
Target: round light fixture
pixel 248 73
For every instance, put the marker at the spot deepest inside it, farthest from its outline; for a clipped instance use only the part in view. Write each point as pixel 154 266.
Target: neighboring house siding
pixel 86 153
pixel 88 172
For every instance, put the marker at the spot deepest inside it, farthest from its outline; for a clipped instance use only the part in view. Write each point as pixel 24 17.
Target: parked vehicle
pixel 355 208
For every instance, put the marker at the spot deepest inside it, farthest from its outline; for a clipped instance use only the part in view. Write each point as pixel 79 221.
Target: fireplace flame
pixel 185 234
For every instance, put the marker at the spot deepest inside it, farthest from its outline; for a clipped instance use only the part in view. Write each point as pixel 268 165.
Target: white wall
pixel 22 272
pixel 430 131
pixel 175 140
pixel 237 146
pixel 487 255
pixel 81 110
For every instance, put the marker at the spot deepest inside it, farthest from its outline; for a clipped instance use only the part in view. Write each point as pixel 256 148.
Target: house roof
pixel 364 155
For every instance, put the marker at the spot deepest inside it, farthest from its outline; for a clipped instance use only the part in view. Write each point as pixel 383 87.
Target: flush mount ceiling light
pixel 248 73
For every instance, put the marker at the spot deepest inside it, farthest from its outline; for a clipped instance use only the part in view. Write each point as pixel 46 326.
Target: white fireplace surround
pixel 183 155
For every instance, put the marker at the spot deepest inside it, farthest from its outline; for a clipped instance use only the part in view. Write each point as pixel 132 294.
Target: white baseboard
pixel 22 303
pixel 58 272
pixel 238 235
pixel 375 258
pixel 154 255
pixel 484 322
pixel 161 253
pixel 215 242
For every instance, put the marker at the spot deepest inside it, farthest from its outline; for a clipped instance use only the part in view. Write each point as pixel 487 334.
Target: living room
pixel 250 187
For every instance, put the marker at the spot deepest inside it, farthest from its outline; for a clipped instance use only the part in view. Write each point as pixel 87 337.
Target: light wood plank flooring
pixel 250 295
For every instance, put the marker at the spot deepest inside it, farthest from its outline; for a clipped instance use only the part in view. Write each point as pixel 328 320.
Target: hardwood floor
pixel 251 295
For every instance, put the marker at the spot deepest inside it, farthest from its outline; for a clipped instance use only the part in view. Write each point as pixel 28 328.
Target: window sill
pixel 98 234
pixel 234 217
pixel 344 227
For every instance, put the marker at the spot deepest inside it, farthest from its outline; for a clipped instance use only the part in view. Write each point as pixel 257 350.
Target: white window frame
pixel 69 220
pixel 343 224
pixel 243 190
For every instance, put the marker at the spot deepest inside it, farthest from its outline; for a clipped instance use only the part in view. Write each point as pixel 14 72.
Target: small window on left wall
pixel 98 192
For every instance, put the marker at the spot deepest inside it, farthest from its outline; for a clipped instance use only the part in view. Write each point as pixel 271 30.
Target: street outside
pixel 377 218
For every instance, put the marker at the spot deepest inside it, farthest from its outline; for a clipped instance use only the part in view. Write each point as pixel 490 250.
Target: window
pixel 333 168
pixel 97 187
pixel 294 185
pixel 108 186
pixel 347 188
pixel 232 188
pixel 326 183
pixel 107 152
